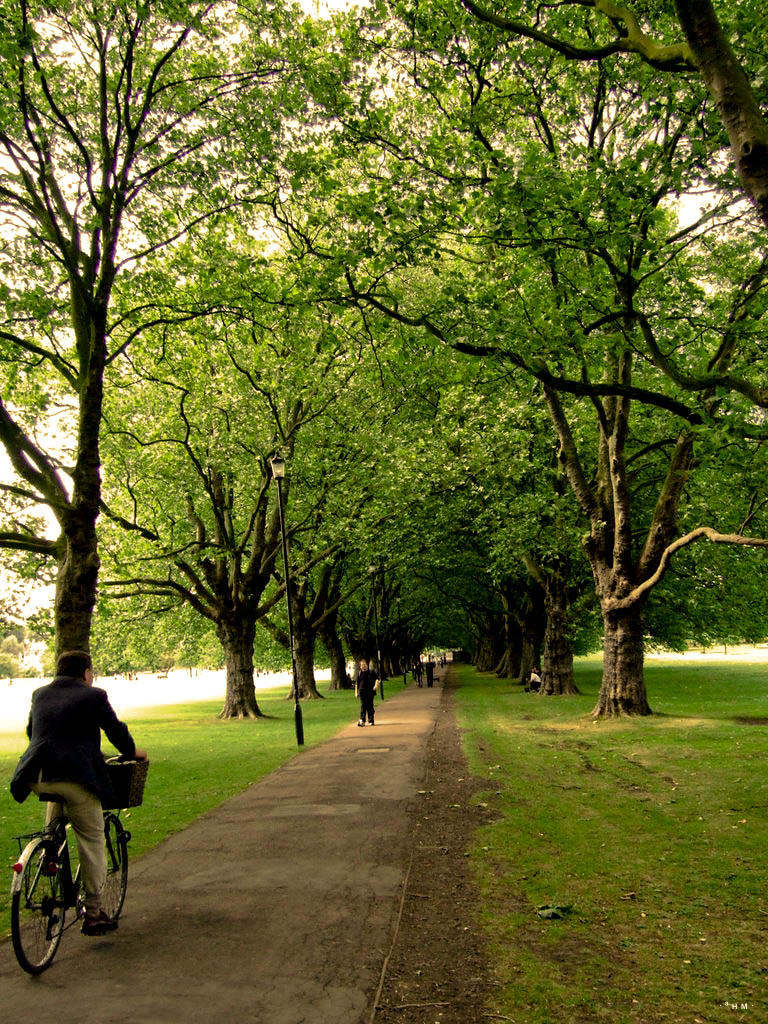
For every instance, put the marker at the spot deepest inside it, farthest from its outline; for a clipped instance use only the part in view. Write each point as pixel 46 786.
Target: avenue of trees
pixel 492 279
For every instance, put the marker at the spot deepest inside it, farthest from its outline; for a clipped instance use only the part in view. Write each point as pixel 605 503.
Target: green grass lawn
pixel 654 832
pixel 196 762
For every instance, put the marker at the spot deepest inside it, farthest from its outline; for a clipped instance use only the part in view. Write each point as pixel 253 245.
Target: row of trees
pixel 487 280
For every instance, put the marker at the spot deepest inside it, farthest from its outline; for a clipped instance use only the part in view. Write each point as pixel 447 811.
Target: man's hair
pixel 73 663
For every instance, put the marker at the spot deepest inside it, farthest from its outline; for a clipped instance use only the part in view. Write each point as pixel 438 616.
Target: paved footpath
pixel 278 907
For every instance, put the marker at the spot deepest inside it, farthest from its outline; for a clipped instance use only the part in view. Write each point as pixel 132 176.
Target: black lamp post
pixel 278 474
pixel 376 627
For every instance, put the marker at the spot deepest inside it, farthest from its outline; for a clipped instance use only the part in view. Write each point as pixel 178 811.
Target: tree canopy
pixel 485 278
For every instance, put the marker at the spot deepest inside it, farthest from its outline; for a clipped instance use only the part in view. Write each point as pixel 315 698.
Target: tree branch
pixel 700 533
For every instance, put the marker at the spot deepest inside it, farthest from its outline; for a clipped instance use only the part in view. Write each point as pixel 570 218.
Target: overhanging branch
pixel 700 533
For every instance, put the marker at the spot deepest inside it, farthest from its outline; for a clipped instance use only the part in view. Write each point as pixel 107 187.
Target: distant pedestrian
pixel 418 672
pixel 366 686
pixel 430 668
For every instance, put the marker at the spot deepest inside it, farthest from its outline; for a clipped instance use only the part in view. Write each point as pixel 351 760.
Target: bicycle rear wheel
pixel 116 839
pixel 37 908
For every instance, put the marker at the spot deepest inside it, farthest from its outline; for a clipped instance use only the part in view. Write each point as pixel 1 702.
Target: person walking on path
pixel 418 670
pixel 365 687
pixel 430 667
pixel 64 759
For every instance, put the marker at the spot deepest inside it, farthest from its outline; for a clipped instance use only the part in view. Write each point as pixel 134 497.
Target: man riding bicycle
pixel 64 759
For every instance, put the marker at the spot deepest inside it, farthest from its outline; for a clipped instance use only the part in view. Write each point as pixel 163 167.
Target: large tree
pixel 518 213
pixel 193 421
pixel 116 134
pixel 727 51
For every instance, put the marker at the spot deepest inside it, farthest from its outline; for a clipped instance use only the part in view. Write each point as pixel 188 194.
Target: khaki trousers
pixel 84 812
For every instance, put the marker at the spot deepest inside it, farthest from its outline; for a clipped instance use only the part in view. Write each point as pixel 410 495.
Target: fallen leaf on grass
pixel 553 912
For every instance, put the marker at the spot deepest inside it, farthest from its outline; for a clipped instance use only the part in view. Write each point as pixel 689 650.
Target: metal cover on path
pixel 373 750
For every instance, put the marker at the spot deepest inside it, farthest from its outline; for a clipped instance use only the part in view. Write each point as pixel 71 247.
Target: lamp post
pixel 376 627
pixel 278 474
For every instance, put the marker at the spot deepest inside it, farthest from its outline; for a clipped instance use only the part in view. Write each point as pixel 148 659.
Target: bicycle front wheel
pixel 37 908
pixel 116 839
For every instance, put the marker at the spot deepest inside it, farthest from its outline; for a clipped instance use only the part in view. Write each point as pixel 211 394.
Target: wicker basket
pixel 127 778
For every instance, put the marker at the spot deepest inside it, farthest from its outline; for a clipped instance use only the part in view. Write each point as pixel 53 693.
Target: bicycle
pixel 44 888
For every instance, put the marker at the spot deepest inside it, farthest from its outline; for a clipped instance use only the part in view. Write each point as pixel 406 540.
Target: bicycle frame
pixel 44 888
pixel 57 845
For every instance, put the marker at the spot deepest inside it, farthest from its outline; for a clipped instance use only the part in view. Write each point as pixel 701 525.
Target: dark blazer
pixel 366 680
pixel 64 729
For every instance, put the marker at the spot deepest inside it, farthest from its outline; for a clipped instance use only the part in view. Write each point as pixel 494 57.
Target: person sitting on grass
pixel 534 683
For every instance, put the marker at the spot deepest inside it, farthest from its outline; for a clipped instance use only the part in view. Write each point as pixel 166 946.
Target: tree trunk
pixel 338 662
pixel 527 657
pixel 515 655
pixel 731 90
pixel 236 639
pixel 623 687
pixel 76 585
pixel 557 656
pixel 486 658
pixel 304 658
pixel 78 567
pixel 509 664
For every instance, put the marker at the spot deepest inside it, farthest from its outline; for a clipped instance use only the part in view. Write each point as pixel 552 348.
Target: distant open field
pixel 147 690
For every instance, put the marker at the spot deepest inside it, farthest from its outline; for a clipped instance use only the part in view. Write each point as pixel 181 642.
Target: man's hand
pixel 141 755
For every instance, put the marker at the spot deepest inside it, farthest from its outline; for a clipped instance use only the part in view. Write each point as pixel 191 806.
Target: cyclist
pixel 64 759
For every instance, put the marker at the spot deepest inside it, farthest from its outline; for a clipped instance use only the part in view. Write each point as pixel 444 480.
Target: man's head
pixel 364 664
pixel 77 664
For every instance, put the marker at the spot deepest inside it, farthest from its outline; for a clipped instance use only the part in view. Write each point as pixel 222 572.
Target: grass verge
pixel 196 762
pixel 649 836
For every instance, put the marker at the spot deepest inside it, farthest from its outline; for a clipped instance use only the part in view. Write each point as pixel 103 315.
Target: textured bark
pixel 502 669
pixel 338 662
pixel 623 687
pixel 557 657
pixel 738 106
pixel 76 579
pixel 509 664
pixel 487 654
pixel 236 638
pixel 527 657
pixel 515 656
pixel 531 622
pixel 304 659
pixel 78 567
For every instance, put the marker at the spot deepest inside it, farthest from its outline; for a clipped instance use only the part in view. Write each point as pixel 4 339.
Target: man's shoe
pixel 361 722
pixel 99 925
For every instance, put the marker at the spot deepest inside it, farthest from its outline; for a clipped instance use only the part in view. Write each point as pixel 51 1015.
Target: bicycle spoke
pixel 116 839
pixel 37 910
